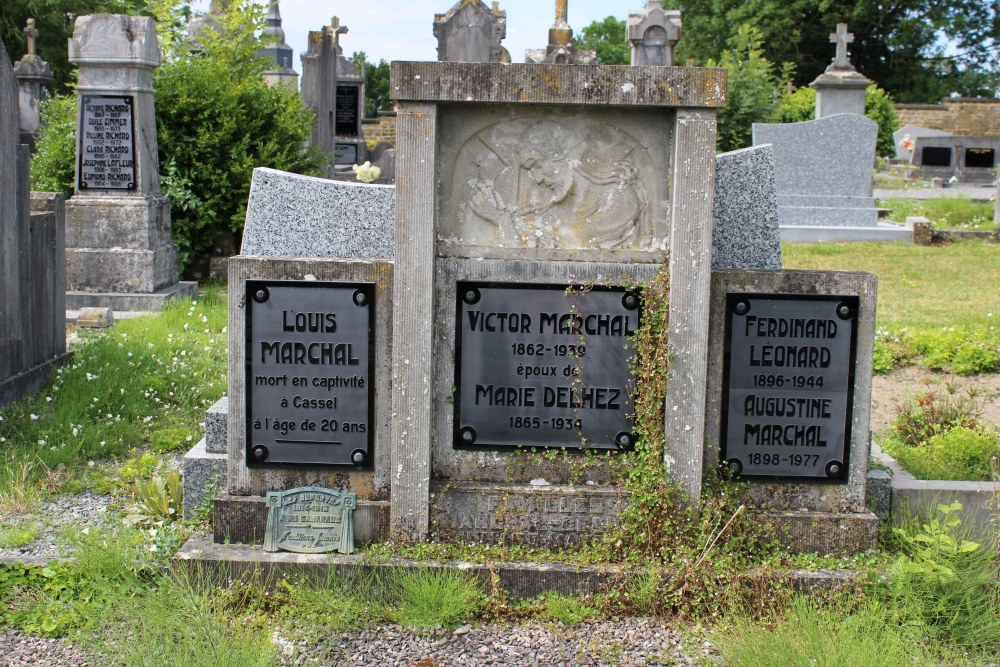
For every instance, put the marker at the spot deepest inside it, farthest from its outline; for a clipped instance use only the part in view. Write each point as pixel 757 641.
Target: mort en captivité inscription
pixel 107 143
pixel 309 373
pixel 788 385
pixel 544 366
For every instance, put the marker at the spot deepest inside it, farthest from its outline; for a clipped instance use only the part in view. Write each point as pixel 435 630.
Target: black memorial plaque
pixel 543 366
pixel 346 124
pixel 788 385
pixel 309 373
pixel 107 143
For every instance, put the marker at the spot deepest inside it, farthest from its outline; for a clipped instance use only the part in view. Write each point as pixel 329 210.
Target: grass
pixel 919 287
pixel 808 635
pixel 944 213
pixel 18 534
pixel 937 305
pixel 145 383
pixel 430 598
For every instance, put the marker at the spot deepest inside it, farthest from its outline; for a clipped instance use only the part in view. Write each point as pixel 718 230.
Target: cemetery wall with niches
pixel 962 116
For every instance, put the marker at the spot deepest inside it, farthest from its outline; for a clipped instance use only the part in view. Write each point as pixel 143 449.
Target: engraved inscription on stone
pixel 544 366
pixel 309 379
pixel 789 385
pixel 541 183
pixel 345 153
pixel 310 520
pixel 107 143
pixel 347 111
pixel 555 520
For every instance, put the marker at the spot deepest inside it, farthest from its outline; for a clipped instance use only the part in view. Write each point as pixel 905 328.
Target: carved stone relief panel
pixel 553 178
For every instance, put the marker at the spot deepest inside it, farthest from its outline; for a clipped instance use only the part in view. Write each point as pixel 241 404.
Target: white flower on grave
pixel 366 173
pixel 953 180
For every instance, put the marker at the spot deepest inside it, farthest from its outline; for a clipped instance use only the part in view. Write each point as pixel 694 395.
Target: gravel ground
pixel 18 649
pixel 629 641
pixel 80 510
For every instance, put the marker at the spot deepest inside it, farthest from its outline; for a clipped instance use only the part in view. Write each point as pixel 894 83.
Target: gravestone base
pixel 125 301
pixel 883 231
pixel 119 254
pixel 243 520
pixel 829 533
pixel 30 381
pixel 549 515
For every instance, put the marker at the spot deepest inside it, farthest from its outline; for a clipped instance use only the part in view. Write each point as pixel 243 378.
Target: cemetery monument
pixel 841 88
pixel 32 261
pixel 334 89
pixel 560 50
pixel 118 248
pixel 422 377
pixel 471 32
pixel 33 78
pixel 652 33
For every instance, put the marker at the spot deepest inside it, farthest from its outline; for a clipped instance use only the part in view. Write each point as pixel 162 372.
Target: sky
pixel 402 29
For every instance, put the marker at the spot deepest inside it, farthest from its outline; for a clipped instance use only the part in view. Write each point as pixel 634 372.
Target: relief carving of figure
pixel 540 183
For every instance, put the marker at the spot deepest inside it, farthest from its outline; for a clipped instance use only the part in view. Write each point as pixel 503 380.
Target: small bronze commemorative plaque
pixel 309 373
pixel 107 143
pixel 310 520
pixel 544 366
pixel 788 385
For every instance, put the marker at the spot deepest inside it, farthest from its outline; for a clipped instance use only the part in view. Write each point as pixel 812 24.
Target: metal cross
pixel 841 38
pixel 31 34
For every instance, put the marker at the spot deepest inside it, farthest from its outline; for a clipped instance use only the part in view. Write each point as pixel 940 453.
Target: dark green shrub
pixel 53 164
pixel 965 454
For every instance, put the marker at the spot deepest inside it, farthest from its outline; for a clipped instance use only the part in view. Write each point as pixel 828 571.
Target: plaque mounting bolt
pixel 471 296
pixel 843 311
pixel 259 453
pixel 833 468
pixel 468 435
pixel 360 298
pixel 742 308
pixel 630 301
pixel 358 457
pixel 261 295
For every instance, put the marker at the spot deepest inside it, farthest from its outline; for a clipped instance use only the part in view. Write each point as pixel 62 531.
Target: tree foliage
pixel 917 50
pixel 752 88
pixel 377 96
pixel 607 38
pixel 54 21
pixel 217 119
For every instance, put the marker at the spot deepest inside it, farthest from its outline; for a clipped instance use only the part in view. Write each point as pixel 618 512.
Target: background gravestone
pixel 471 32
pixel 841 88
pixel 913 132
pixel 118 249
pixel 653 32
pixel 823 178
pixel 33 78
pixel 560 50
pixel 32 262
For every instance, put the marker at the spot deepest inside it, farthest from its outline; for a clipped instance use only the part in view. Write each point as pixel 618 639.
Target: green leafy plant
pixel 933 413
pixel 159 498
pixel 430 598
pixel 753 83
pixel 958 454
pixel 945 586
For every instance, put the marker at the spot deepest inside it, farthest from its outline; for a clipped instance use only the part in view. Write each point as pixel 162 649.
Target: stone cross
pixel 841 38
pixel 31 34
pixel 562 11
